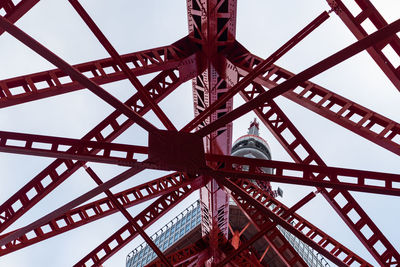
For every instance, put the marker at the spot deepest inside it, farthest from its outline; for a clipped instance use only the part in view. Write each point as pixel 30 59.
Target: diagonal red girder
pixel 272 235
pixel 100 208
pixel 14 12
pixel 128 216
pixel 184 255
pixel 261 67
pixel 283 129
pixel 268 229
pixel 354 117
pixel 75 74
pixel 250 195
pixel 358 24
pixel 124 67
pixel 206 34
pixel 73 203
pixel 127 232
pixel 179 55
pixel 212 26
pixel 107 130
pixel 303 174
pixel 303 76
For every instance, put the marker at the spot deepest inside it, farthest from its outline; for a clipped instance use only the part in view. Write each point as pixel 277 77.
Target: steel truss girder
pixel 354 117
pixel 53 82
pixel 127 232
pixel 100 208
pixel 274 238
pixel 106 131
pixel 303 76
pixel 15 12
pixel 212 26
pixel 368 13
pixel 287 253
pixel 256 200
pixel 132 221
pixel 303 174
pixel 75 74
pixel 283 129
pixel 122 65
pixel 185 255
pixel 68 148
pixel 198 252
pixel 230 74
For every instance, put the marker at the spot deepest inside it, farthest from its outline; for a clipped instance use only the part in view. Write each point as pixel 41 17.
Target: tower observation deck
pixel 185 228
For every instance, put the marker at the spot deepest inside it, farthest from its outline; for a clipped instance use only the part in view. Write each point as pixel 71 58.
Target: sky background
pixel 262 26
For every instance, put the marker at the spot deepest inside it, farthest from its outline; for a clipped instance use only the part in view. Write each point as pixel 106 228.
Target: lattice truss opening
pixel 126 112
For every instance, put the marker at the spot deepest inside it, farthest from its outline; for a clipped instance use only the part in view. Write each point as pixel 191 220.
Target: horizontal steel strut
pixel 220 68
pixel 100 208
pixel 54 82
pixel 354 117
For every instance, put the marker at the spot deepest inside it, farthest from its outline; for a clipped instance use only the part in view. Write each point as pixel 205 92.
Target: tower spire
pixel 254 127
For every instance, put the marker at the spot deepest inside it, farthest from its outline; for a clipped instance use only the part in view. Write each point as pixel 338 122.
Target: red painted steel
pixel 269 230
pixel 106 131
pixel 73 203
pixel 68 148
pixel 127 232
pixel 220 67
pixel 75 74
pixel 303 76
pixel 255 200
pixel 293 142
pixel 192 255
pixel 128 216
pixel 145 96
pixel 184 255
pixel 304 174
pixel 26 88
pixel 98 209
pixel 354 117
pixel 212 26
pixel 260 68
pixel 367 18
pixel 13 12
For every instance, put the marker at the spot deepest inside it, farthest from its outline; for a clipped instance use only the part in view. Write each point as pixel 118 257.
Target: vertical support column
pixel 212 26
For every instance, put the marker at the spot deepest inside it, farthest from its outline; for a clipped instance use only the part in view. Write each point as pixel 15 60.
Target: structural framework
pixel 220 67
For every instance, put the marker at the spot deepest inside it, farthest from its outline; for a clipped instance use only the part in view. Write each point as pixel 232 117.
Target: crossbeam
pixel 302 174
pixel 303 76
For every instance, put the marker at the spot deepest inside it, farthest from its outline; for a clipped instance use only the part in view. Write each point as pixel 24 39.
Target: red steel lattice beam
pixel 259 69
pixel 212 39
pixel 53 82
pixel 359 22
pixel 132 221
pixel 14 12
pixel 100 208
pixel 283 129
pixel 267 228
pixel 302 174
pixel 145 96
pixel 75 74
pixel 182 256
pixel 303 76
pixel 68 148
pixel 212 26
pixel 127 233
pixel 254 198
pixel 106 131
pixel 354 117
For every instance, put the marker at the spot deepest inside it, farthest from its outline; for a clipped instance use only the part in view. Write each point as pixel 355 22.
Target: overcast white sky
pixel 137 25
